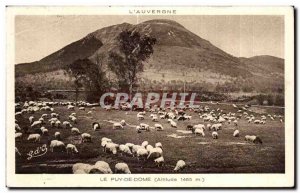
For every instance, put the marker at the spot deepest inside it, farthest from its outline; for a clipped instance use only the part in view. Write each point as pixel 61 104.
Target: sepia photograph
pixel 166 95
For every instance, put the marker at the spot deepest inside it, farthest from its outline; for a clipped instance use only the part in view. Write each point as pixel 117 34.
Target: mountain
pixel 178 54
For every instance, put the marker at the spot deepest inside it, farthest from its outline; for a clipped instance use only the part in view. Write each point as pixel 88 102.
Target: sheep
pixel 71 107
pixel 145 126
pixel 199 126
pixel 138 129
pixel 158 144
pixel 57 144
pixel 34 137
pixel 44 131
pixel 73 119
pixel 80 168
pixel 17 127
pixel 96 126
pixel 71 149
pixel 122 168
pixel 173 124
pixel 111 147
pixel 208 126
pixel 235 122
pixel 199 132
pixel 159 161
pixel 125 149
pixel 144 144
pixel 155 118
pixel 236 133
pixel 256 121
pixel 103 167
pixel 149 148
pixel 41 120
pixel 140 117
pixel 31 119
pixel 253 139
pixel 215 135
pixel 73 114
pixel 81 108
pixel 57 135
pixel 17 151
pixel 106 139
pixel 142 152
pixel 179 165
pixel 54 115
pixel 130 145
pixel 155 153
pixel 135 148
pixel 67 124
pixel 90 113
pixel 57 124
pixel 44 116
pixel 122 122
pixel 36 124
pixel 117 126
pixel 216 127
pixel 75 131
pixel 85 137
pixel 18 135
pixel 158 127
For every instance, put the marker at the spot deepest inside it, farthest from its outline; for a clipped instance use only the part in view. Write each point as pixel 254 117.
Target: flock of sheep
pixel 214 119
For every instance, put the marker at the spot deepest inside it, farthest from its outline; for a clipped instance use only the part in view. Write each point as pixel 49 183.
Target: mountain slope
pixel 177 53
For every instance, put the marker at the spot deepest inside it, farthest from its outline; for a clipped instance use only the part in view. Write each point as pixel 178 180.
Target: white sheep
pixel 253 139
pixel 85 137
pixel 135 148
pixel 80 168
pixel 96 126
pixel 125 149
pixel 216 127
pixel 140 117
pixel 235 122
pixel 215 135
pixel 34 137
pixel 122 122
pixel 236 133
pixel 145 143
pixel 199 132
pixel 155 153
pixel 57 144
pixel 73 119
pixel 159 161
pixel 67 124
pixel 145 126
pixel 117 126
pixel 81 108
pixel 71 107
pixel 149 148
pixel 142 152
pixel 44 131
pixel 36 124
pixel 75 131
pixel 106 139
pixel 18 135
pixel 57 135
pixel 17 151
pixel 179 165
pixel 158 144
pixel 122 168
pixel 103 167
pixel 71 149
pixel 173 124
pixel 158 127
pixel 111 147
pixel 31 119
pixel 90 113
pixel 57 124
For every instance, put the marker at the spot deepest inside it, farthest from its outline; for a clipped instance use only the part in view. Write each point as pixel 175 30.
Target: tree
pixel 127 61
pixel 86 74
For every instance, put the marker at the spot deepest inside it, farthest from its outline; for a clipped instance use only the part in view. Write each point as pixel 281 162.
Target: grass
pixel 203 155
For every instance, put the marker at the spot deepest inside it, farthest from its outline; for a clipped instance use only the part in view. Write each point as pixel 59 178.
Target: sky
pixel 240 36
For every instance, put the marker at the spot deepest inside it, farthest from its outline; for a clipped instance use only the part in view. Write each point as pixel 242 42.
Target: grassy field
pixel 202 154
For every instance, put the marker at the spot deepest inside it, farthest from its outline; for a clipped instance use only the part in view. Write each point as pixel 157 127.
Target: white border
pixel 211 180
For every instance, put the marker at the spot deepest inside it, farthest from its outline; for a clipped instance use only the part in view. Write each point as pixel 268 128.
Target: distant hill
pixel 179 55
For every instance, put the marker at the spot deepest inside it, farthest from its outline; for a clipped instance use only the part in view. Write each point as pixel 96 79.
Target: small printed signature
pixel 39 151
